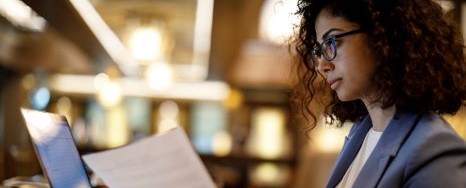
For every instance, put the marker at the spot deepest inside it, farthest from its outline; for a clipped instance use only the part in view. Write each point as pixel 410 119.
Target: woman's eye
pixel 337 42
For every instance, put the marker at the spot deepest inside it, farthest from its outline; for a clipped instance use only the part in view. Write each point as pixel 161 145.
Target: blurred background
pixel 122 70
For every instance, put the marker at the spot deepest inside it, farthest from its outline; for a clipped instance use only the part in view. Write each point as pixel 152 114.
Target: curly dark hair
pixel 420 65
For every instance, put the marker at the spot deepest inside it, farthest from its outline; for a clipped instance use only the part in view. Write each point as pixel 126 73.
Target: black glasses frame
pixel 317 52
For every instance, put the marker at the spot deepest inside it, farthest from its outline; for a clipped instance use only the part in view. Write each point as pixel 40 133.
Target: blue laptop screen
pixel 56 149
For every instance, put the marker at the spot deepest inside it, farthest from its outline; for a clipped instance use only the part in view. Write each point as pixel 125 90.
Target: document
pixel 164 160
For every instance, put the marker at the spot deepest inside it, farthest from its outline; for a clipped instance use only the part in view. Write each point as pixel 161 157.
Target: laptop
pixel 56 150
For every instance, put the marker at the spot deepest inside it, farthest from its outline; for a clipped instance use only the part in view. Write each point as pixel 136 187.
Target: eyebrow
pixel 328 32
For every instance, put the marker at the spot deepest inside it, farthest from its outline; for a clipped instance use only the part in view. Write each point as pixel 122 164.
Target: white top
pixel 372 137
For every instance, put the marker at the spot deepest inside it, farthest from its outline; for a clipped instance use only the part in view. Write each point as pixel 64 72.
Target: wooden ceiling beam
pixel 64 19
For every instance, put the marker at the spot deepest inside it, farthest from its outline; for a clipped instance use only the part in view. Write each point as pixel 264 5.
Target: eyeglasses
pixel 328 47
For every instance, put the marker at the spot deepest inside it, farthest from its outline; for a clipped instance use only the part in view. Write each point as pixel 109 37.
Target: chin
pixel 344 97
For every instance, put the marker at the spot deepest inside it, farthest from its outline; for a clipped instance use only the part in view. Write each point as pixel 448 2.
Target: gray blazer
pixel 415 150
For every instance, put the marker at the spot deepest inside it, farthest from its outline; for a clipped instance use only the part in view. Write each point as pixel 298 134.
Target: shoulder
pixel 435 150
pixel 432 132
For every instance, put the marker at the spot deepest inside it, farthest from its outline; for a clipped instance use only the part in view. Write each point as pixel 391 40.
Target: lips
pixel 334 83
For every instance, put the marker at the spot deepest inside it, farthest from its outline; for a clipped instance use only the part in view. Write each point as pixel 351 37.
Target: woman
pixel 392 67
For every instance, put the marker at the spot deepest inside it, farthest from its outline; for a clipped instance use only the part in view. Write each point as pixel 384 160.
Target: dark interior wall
pixel 3 76
pixel 18 156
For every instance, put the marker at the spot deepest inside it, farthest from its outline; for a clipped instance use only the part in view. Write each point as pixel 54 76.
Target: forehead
pixel 326 21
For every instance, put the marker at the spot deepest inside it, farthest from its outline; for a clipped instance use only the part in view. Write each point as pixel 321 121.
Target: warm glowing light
pixel 21 15
pixel 168 115
pixel 268 138
pixel 277 20
pixel 168 110
pixel 100 80
pixel 457 121
pixel 270 174
pixel 267 172
pixel 117 127
pixel 329 138
pixel 221 143
pixel 110 94
pixel 159 76
pixel 202 36
pixel 64 107
pixel 446 5
pixel 147 44
pixel 134 87
pixel 109 91
pixel 234 100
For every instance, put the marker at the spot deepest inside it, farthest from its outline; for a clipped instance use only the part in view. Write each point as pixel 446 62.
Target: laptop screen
pixel 56 149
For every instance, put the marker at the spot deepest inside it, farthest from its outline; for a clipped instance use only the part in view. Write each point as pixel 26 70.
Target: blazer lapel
pixel 350 150
pixel 388 146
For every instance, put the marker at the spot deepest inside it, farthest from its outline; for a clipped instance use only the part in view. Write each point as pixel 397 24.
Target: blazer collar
pixel 397 131
pixel 350 149
pixel 390 142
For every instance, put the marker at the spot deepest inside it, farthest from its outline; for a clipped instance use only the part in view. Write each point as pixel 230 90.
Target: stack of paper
pixel 165 160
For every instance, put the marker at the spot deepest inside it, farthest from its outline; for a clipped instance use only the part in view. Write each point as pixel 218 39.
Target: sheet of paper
pixel 165 160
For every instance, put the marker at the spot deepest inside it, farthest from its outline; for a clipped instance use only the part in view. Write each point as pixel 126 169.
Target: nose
pixel 324 66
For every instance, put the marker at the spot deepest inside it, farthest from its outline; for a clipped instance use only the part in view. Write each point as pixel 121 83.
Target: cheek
pixel 361 78
pixel 358 73
pixel 361 61
pixel 360 82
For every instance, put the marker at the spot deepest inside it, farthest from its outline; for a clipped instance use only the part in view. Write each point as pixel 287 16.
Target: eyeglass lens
pixel 329 49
